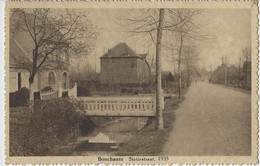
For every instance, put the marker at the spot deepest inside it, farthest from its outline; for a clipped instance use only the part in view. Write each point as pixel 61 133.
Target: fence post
pixel 162 100
pixel 40 95
pixel 75 90
pixel 59 90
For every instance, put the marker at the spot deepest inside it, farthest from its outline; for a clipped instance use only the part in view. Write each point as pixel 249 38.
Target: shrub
pixel 123 90
pixel 47 88
pixel 19 118
pixel 37 95
pixel 136 91
pixel 87 125
pixel 65 94
pixel 130 90
pixel 53 122
pixel 83 91
pixel 19 98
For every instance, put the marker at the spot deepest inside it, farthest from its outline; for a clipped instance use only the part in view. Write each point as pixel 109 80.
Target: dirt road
pixel 213 120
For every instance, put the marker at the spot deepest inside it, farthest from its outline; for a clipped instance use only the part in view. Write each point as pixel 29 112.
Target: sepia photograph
pixel 130 82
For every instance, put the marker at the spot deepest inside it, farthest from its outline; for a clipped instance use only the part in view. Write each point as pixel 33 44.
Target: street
pixel 212 121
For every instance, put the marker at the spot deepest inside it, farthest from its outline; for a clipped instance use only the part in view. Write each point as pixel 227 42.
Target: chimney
pixel 109 52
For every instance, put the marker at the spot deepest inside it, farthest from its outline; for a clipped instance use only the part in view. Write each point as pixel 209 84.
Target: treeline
pixel 236 76
pixel 233 76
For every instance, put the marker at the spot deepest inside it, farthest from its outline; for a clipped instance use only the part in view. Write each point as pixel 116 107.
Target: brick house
pixel 122 65
pixel 20 50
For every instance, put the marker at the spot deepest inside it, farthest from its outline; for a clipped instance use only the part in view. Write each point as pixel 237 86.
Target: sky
pixel 229 32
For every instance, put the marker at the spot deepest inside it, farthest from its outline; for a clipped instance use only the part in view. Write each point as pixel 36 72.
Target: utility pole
pixel 159 111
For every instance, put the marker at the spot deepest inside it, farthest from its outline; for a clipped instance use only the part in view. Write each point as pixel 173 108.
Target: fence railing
pixel 119 106
pixel 48 95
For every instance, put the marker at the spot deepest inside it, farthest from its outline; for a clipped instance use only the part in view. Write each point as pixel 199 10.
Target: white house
pixel 20 53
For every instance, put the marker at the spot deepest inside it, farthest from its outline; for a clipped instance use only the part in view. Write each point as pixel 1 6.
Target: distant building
pixel 20 60
pixel 122 65
pixel 167 77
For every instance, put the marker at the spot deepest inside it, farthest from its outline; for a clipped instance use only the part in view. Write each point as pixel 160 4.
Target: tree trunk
pixel 31 79
pixel 159 113
pixel 30 91
pixel 188 78
pixel 179 67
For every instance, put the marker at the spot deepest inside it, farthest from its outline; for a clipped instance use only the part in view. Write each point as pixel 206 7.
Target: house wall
pixel 143 71
pixel 119 70
pixel 13 80
pixel 124 70
pixel 41 79
pixel 44 77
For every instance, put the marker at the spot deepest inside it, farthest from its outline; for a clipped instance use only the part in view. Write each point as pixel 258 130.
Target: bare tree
pixel 55 32
pixel 153 23
pixel 246 52
pixel 185 32
pixel 190 59
pixel 81 70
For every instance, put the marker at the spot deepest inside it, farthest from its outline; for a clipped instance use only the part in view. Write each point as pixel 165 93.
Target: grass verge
pixel 149 142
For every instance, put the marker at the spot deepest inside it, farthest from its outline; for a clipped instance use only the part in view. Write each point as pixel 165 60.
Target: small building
pixel 122 65
pixel 167 77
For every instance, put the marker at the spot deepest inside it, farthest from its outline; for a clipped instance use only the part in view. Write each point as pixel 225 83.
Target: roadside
pixel 234 88
pixel 149 142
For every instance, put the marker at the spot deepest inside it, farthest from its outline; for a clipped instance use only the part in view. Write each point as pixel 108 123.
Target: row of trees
pixel 171 30
pixel 233 75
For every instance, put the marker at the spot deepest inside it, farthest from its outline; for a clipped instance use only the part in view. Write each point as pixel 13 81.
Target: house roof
pixel 17 56
pixel 122 50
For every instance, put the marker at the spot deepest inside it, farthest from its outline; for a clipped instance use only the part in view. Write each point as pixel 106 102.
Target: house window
pixel 64 80
pixel 132 65
pixel 51 78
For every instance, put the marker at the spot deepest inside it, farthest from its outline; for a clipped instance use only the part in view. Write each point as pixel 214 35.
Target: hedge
pixel 53 122
pixel 19 98
pixel 19 117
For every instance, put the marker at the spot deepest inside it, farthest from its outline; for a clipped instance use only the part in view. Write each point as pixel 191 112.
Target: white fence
pixel 119 106
pixel 57 94
pixel 48 95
